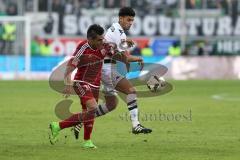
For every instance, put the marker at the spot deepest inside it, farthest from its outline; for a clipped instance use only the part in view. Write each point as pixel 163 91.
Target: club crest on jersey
pixel 112 29
pixel 103 52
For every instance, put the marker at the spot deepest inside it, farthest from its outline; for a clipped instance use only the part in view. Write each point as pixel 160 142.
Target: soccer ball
pixel 156 83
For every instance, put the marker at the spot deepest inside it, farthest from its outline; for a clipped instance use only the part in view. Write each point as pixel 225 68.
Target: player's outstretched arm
pixel 67 78
pixel 119 56
pixel 131 58
pixel 71 65
pixel 130 42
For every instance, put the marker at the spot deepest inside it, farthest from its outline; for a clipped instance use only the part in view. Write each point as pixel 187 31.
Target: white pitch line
pixel 225 97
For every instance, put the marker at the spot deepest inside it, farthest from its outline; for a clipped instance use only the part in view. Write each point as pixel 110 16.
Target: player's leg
pixel 110 96
pixel 127 88
pixel 102 109
pixel 113 80
pixel 88 126
pixel 73 120
pixel 86 97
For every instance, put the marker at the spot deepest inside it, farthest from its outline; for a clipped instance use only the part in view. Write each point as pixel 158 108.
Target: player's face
pixel 126 22
pixel 98 41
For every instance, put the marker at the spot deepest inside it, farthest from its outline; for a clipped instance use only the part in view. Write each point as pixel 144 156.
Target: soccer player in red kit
pixel 88 59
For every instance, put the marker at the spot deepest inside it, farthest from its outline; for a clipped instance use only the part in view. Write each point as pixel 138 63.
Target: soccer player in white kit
pixel 112 80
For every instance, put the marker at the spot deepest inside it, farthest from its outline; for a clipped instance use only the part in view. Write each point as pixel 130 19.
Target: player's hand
pixel 141 63
pixel 130 42
pixel 136 59
pixel 139 60
pixel 110 47
pixel 67 91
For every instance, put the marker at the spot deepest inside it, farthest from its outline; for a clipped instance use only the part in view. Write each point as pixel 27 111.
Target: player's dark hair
pixel 126 11
pixel 94 30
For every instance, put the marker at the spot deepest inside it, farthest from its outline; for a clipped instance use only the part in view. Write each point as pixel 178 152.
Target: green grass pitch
pixel 187 124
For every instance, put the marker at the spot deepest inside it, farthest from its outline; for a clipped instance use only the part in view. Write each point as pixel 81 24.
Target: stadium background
pixel 198 30
pixel 197 40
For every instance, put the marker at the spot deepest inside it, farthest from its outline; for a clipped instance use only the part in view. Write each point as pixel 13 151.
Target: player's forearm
pixel 120 57
pixel 131 58
pixel 67 74
pixel 126 58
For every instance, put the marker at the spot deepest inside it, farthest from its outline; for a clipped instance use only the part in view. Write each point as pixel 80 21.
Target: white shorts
pixel 110 78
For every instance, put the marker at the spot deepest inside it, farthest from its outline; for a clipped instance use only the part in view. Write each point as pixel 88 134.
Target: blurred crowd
pixel 142 7
pixel 9 7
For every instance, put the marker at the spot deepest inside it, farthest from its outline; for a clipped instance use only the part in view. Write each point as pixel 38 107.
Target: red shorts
pixel 85 92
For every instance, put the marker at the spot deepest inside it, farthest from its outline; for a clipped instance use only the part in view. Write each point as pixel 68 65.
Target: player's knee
pixel 111 105
pixel 132 90
pixel 92 108
pixel 91 104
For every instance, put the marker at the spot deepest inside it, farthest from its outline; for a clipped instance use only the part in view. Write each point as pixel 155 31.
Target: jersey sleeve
pixel 77 54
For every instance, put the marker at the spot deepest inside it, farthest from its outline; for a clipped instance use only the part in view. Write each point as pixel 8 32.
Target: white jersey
pixel 110 76
pixel 116 34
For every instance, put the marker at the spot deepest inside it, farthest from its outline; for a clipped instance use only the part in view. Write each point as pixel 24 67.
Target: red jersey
pixel 89 63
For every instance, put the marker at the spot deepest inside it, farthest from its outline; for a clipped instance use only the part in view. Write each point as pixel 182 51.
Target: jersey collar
pixel 90 46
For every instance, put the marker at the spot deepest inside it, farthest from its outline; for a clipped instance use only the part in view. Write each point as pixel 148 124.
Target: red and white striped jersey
pixel 89 62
